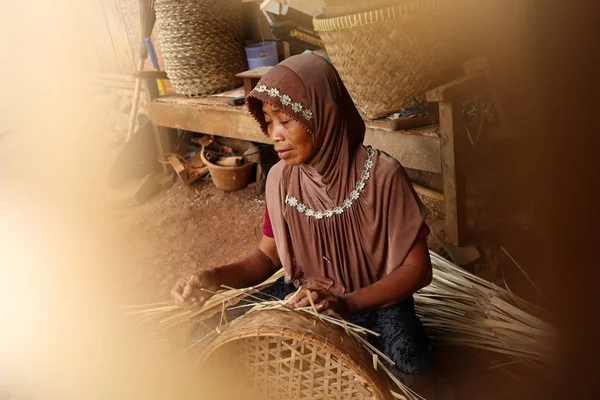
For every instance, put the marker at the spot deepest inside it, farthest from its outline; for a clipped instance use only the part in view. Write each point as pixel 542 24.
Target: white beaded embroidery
pixel 285 100
pixel 354 195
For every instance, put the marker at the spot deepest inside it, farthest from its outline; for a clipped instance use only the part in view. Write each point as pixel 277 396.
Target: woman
pixel 341 218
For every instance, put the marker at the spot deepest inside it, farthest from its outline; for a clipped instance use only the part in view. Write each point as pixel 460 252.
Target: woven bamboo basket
pixel 202 43
pixel 278 354
pixel 385 56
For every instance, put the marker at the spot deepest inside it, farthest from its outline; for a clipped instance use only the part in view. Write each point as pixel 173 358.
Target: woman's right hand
pixel 196 289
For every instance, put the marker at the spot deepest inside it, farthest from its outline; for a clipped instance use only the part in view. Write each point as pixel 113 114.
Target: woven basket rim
pixel 323 23
pixel 230 335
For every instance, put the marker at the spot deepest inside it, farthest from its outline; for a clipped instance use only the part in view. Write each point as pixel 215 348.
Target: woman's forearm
pixel 413 275
pixel 250 270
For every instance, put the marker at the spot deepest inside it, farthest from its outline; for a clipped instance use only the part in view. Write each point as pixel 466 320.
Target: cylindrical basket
pixel 288 355
pixel 385 56
pixel 202 43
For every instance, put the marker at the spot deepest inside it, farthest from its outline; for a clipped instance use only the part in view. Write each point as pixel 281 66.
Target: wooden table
pixel 418 148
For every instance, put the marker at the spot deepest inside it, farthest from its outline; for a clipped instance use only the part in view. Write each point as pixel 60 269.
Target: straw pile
pixel 461 309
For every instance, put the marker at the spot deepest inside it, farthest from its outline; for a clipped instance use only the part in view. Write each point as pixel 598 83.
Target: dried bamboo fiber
pixel 291 355
pixel 385 56
pixel 202 43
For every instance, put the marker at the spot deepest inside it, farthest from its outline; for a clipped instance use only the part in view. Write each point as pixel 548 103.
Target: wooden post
pixel 451 130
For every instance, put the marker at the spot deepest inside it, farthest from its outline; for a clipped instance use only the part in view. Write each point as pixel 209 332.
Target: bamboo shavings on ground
pixel 459 308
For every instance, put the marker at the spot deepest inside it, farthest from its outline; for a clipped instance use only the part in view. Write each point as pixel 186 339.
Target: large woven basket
pixel 385 56
pixel 277 354
pixel 202 43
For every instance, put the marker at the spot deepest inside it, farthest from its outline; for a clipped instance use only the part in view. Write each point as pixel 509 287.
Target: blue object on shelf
pixel 262 54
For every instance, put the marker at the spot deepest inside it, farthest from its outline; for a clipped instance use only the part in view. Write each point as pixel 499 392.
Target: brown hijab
pixel 344 235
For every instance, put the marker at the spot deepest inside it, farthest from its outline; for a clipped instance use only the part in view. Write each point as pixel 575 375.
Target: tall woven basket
pixel 385 56
pixel 202 43
pixel 278 354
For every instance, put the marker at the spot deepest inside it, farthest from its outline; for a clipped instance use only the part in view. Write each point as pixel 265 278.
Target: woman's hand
pixel 322 299
pixel 196 289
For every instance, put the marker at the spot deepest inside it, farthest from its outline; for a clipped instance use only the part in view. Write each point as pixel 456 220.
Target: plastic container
pixel 262 54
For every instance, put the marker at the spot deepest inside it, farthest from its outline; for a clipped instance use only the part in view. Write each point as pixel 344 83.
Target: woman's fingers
pixel 305 302
pixel 178 290
pixel 323 305
pixel 293 298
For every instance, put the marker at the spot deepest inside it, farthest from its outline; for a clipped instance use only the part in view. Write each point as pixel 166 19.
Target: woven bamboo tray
pixel 340 8
pixel 385 56
pixel 202 43
pixel 277 354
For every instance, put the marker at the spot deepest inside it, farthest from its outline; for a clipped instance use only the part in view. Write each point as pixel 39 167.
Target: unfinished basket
pixel 278 354
pixel 202 43
pixel 385 56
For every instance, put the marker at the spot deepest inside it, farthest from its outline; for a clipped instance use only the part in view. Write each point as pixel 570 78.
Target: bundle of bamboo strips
pixel 457 308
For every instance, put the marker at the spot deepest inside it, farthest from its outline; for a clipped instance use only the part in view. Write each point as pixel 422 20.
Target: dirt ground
pixel 183 229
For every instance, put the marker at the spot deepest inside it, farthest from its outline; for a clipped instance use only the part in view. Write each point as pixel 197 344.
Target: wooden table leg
pixel 161 134
pixel 163 144
pixel 453 177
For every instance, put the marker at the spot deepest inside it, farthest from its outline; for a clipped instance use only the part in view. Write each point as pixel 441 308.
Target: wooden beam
pixel 458 88
pixel 151 74
pixel 215 120
pixel 451 130
pixel 254 73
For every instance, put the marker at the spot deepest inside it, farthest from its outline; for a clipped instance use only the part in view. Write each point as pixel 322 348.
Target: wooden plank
pixel 418 148
pixel 211 119
pixel 458 88
pixel 451 130
pixel 254 73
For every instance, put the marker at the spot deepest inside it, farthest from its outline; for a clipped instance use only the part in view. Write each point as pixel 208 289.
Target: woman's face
pixel 293 143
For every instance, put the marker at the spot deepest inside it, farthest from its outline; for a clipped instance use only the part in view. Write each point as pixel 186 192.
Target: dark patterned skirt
pixel 402 336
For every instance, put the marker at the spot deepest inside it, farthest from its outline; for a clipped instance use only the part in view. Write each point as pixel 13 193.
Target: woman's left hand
pixel 322 299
